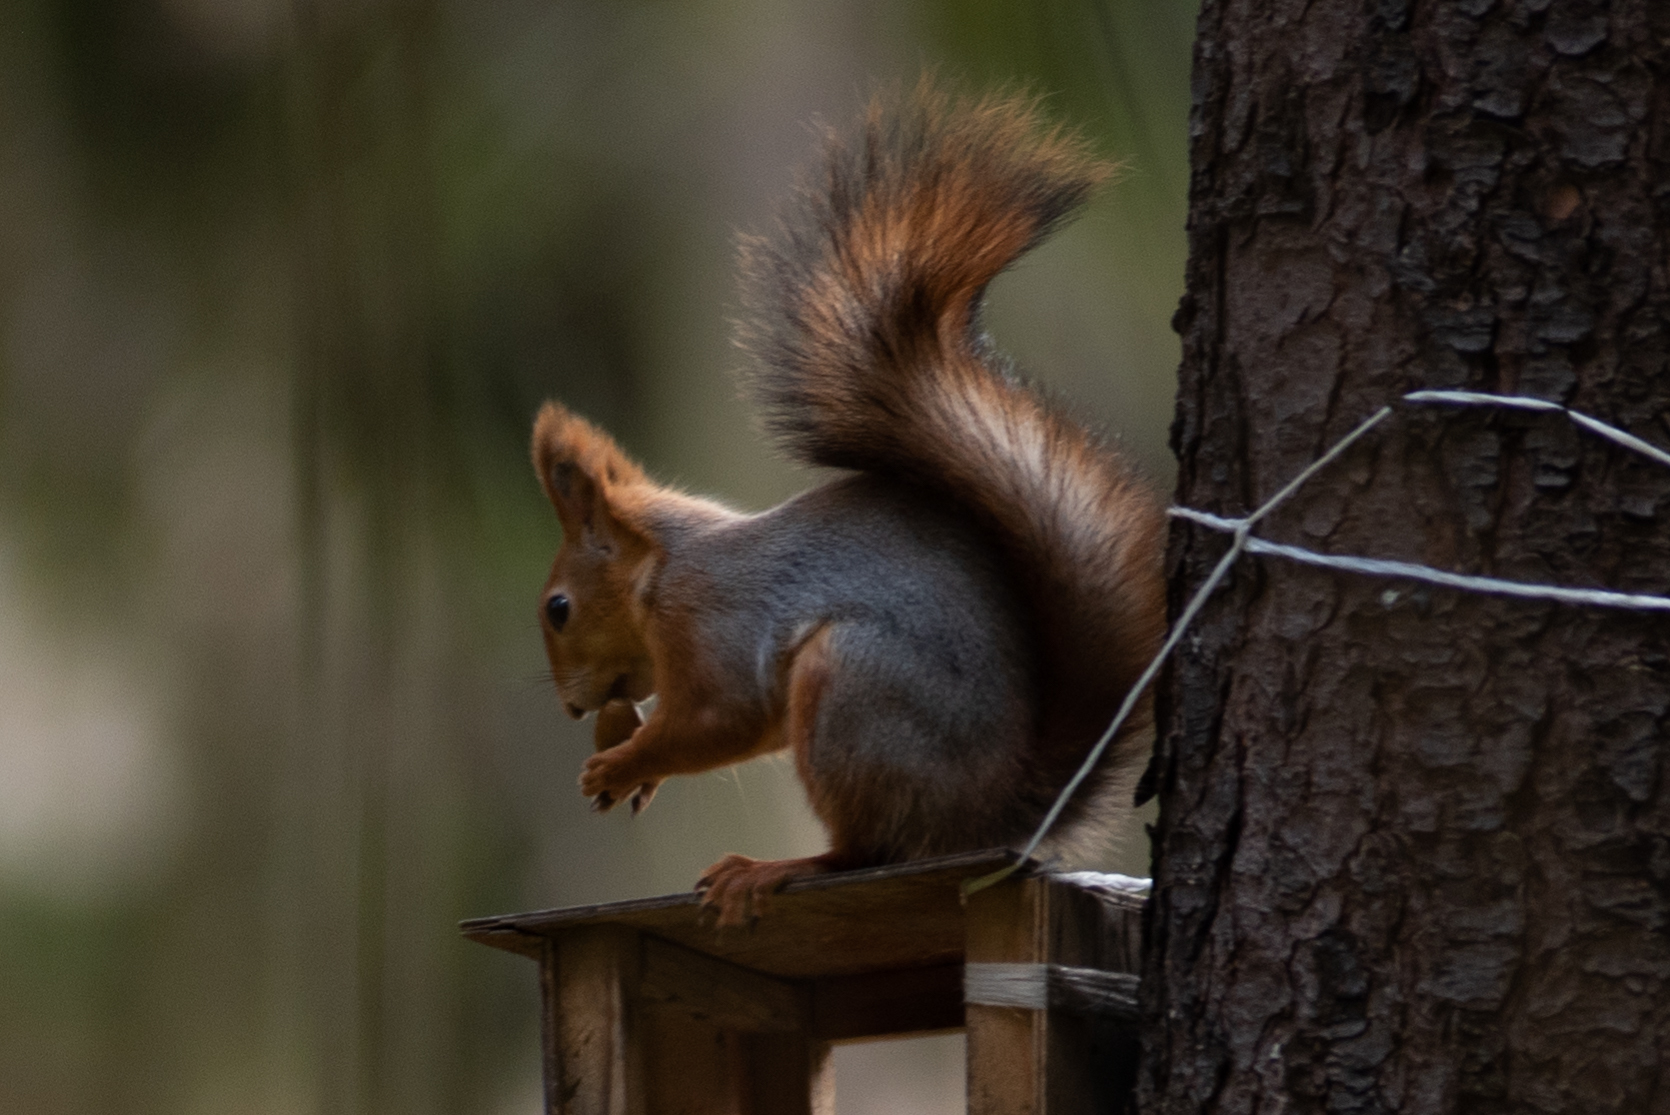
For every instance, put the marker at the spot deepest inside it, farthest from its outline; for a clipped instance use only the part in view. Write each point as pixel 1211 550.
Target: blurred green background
pixel 281 285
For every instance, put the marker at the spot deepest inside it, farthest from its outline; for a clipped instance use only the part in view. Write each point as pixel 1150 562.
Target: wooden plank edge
pixel 541 921
pixel 487 931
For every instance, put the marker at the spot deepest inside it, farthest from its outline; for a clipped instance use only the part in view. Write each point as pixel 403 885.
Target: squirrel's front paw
pixel 607 778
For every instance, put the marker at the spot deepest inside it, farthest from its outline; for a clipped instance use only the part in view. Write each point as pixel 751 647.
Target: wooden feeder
pixel 651 1010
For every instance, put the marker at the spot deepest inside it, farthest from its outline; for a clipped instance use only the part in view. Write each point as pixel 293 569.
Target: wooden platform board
pixel 837 924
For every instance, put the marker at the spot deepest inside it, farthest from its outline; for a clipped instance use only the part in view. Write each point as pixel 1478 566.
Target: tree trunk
pixel 1414 844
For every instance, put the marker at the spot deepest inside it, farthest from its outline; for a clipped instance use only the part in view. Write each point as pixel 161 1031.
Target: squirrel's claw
pixel 741 888
pixel 727 890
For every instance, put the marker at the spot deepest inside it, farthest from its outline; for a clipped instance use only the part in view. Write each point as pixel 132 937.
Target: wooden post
pixel 1045 1061
pixel 591 1006
pixel 633 1025
pixel 550 1025
pixel 692 1067
pixel 1006 1045
pixel 1091 1057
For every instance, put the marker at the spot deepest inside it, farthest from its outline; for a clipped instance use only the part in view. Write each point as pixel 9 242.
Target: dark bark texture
pixel 1414 845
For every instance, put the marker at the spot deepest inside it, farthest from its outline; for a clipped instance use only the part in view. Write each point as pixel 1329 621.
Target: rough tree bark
pixel 1414 845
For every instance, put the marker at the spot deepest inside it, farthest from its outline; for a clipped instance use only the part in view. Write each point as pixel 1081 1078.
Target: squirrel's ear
pixel 559 442
pixel 574 495
pixel 575 461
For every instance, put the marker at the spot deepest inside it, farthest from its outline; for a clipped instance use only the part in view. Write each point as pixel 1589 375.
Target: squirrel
pixel 938 636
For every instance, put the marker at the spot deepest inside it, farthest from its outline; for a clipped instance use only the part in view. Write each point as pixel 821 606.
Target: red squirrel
pixel 940 634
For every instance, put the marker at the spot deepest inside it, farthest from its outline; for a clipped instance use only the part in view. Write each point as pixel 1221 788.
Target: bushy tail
pixel 862 316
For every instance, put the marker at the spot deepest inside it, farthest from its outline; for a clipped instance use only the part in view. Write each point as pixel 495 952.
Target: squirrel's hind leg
pixel 740 887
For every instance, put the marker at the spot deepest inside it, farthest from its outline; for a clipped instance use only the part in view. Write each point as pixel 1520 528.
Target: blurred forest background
pixel 281 285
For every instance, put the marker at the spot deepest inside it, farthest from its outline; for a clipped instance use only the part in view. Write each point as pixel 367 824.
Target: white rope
pixel 1026 986
pixel 1106 884
pixel 1052 986
pixel 1243 541
pixel 1520 402
pixel 1379 567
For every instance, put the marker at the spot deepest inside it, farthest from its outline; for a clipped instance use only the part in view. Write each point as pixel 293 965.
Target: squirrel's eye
pixel 556 610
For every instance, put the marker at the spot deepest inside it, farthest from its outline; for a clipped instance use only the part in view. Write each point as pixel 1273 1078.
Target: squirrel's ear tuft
pixel 578 465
